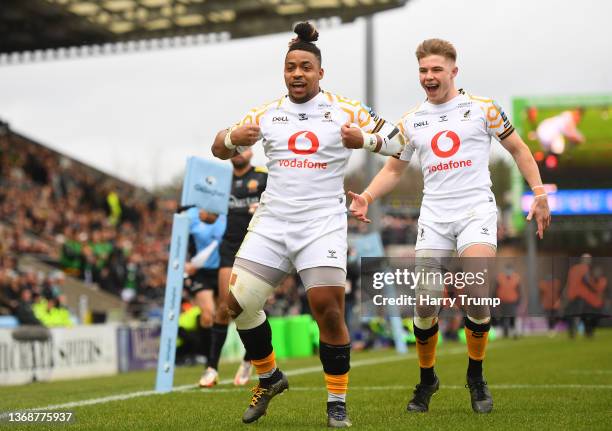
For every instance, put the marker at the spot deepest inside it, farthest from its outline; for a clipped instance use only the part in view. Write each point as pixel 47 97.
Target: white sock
pixel 336 398
pixel 268 374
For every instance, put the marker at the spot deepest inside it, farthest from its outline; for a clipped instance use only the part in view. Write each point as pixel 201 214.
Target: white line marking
pixel 354 364
pixel 300 371
pixel 295 372
pixel 353 388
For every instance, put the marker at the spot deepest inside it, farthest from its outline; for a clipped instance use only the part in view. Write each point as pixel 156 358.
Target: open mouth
pixel 432 87
pixel 298 85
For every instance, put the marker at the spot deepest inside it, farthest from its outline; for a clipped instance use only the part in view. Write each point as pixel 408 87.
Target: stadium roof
pixel 42 26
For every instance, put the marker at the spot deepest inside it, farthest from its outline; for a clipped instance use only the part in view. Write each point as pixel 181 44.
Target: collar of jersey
pixel 301 107
pixel 445 105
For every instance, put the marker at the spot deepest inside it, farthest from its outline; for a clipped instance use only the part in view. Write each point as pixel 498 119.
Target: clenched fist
pixel 351 135
pixel 245 136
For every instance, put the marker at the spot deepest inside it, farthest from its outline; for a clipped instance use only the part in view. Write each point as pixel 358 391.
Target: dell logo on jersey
pixel 456 143
pixel 421 124
pixel 302 139
pixel 280 119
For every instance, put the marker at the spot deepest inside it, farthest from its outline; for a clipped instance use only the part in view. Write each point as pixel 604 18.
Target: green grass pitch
pixel 538 383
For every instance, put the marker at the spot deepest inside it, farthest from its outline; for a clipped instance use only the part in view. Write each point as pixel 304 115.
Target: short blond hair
pixel 436 47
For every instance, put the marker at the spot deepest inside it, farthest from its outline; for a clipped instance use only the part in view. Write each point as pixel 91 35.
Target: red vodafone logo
pixel 450 135
pixel 307 138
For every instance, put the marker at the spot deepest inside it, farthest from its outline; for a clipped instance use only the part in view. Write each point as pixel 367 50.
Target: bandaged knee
pixel 251 293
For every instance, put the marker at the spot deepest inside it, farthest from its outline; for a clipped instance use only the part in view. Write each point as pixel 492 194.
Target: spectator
pixel 550 300
pixel 508 291
pixel 594 297
pixel 577 290
pixel 23 312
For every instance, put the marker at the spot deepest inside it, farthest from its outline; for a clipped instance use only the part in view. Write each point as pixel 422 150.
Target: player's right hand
pixel 245 136
pixel 541 212
pixel 352 136
pixel 359 207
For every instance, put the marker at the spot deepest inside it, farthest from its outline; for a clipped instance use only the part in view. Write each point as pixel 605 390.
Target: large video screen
pixel 570 137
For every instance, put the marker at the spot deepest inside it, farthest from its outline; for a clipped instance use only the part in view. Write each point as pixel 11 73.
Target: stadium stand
pixel 96 228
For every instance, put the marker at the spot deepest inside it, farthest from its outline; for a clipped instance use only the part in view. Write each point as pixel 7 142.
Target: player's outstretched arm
pixel 226 141
pixel 385 181
pixel 528 167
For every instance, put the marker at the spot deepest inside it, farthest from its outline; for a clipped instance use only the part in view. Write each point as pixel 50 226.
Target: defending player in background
pixel 206 230
pixel 248 183
pixel 451 134
pixel 301 220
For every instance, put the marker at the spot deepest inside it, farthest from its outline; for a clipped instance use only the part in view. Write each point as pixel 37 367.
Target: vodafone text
pixel 450 165
pixel 302 164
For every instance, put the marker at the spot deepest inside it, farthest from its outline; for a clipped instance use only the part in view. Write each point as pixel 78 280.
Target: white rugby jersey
pixel 452 142
pixel 307 160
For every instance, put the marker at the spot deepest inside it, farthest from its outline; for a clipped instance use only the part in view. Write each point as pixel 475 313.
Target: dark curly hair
pixel 306 35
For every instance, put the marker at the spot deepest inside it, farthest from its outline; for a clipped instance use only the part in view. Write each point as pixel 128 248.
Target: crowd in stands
pixel 90 225
pixel 34 298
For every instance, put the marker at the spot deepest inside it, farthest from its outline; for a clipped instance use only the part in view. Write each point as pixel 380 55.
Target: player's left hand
pixel 351 136
pixel 539 209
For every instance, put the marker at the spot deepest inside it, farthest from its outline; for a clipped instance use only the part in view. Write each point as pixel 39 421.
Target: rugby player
pixel 248 183
pixel 451 132
pixel 301 220
pixel 206 230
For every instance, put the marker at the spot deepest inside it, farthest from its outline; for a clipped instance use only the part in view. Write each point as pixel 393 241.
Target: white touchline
pixel 354 388
pixel 295 372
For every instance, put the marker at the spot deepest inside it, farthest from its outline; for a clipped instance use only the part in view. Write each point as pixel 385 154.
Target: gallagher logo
pixel 448 153
pixel 304 135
